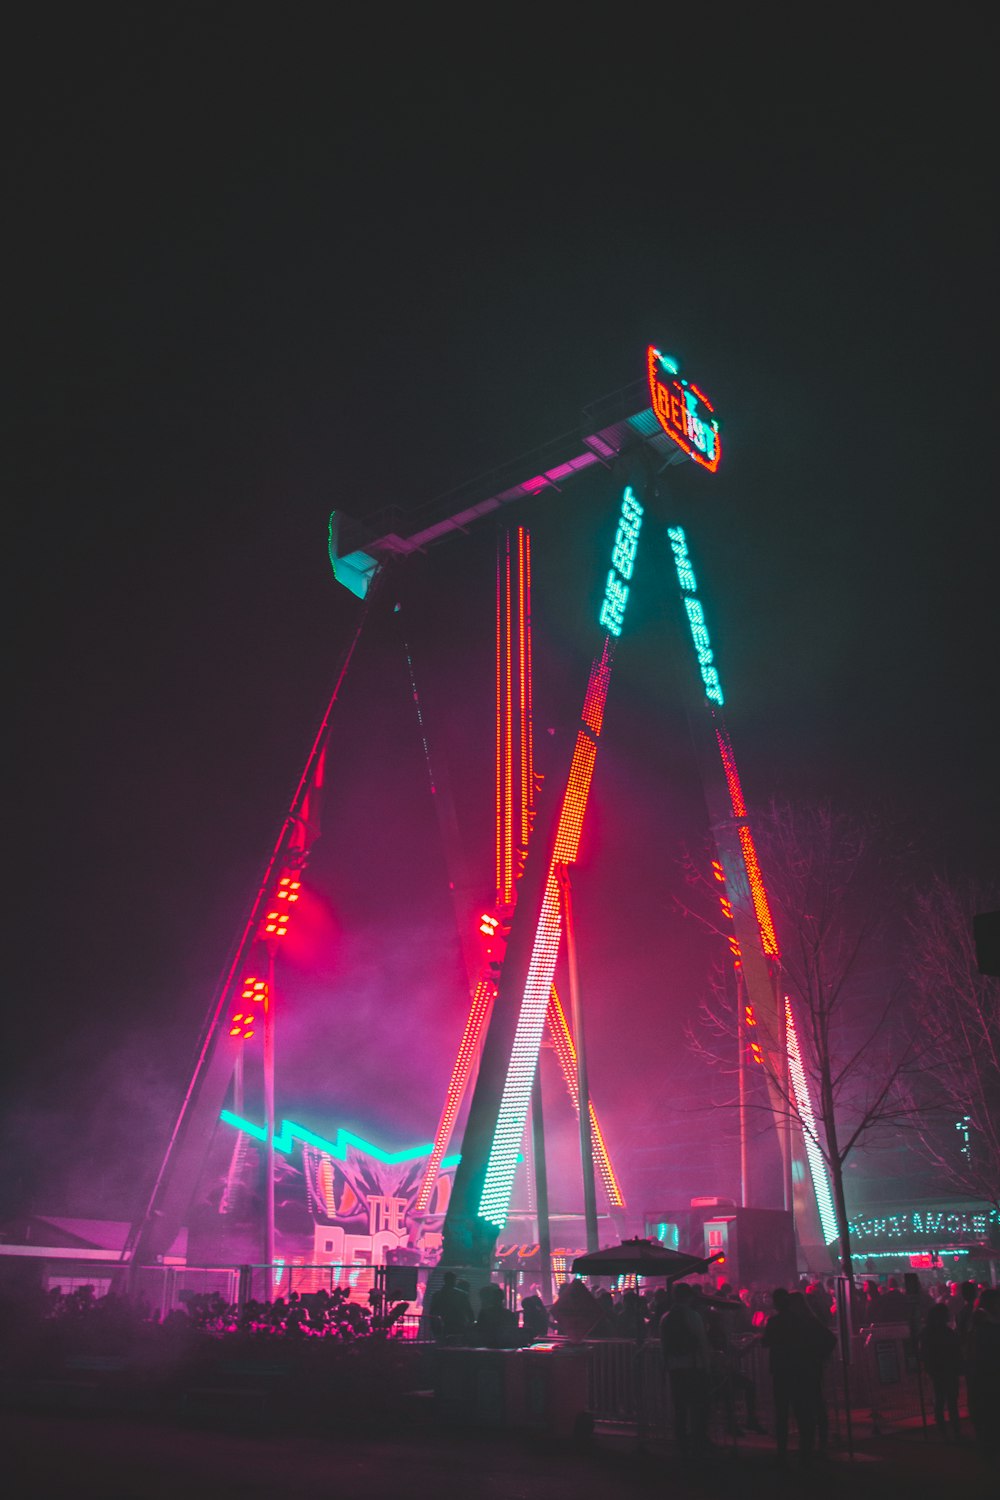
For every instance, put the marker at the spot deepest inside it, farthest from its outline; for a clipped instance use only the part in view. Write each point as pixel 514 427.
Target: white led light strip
pixel 817 1166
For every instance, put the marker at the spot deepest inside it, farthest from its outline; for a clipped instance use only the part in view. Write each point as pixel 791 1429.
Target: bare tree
pixel 831 881
pixel 958 1011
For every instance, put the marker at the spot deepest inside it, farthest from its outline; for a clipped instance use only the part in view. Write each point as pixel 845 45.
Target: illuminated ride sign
pixel 695 614
pixel 622 563
pixel 683 411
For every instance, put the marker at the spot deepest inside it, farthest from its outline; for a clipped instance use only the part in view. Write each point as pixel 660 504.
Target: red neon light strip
pixel 758 891
pixel 522 683
pixel 508 859
pixel 732 775
pixel 499 744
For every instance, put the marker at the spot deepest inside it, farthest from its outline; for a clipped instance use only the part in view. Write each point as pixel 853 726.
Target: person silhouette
pixel 687 1360
pixel 451 1312
pixel 941 1352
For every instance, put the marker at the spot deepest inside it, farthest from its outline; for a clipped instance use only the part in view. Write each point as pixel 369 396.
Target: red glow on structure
pixel 253 997
pixel 597 691
pixel 276 918
pixel 727 911
pixel 750 1023
pixel 732 775
pixel 758 891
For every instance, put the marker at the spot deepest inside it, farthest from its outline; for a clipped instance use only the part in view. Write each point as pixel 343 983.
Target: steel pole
pixel 742 1076
pixel 541 1184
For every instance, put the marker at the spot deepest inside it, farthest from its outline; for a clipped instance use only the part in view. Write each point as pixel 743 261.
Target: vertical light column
pixel 498 1183
pixel 763 1011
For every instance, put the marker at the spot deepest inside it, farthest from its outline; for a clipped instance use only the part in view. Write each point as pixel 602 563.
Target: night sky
pixel 266 265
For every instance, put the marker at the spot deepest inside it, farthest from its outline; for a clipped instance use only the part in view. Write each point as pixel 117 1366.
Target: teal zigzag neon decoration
pixel 290 1133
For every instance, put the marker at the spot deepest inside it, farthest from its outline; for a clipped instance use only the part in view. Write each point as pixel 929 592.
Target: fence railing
pixel 884 1387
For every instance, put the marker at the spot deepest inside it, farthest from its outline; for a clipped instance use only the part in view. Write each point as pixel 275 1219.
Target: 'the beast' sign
pixel 683 411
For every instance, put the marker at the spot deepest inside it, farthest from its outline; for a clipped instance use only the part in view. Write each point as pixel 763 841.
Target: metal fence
pixel 883 1388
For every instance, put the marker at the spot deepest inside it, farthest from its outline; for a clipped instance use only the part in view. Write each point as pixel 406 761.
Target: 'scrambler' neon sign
pixel 695 614
pixel 683 411
pixel 622 563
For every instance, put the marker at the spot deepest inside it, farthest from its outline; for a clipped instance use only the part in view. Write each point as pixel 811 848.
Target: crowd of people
pixel 705 1332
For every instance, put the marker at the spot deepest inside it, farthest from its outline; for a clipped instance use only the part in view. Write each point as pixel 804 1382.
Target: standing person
pixel 941 1352
pixel 968 1293
pixel 782 1340
pixel 631 1317
pixel 982 1370
pixel 534 1315
pixel 451 1312
pixel 820 1302
pixel 496 1327
pixel 729 1335
pixel 686 1363
pixel 815 1345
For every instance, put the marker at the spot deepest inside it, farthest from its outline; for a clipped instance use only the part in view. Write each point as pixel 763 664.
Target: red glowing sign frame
pixel 680 419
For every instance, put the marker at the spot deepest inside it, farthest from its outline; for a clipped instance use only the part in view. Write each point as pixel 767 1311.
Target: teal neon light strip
pixel 290 1133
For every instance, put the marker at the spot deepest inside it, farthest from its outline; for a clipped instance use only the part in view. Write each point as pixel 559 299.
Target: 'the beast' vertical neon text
pixel 683 411
pixel 622 563
pixel 695 614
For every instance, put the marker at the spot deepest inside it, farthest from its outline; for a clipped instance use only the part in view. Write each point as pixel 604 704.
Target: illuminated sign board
pixel 944 1224
pixel 622 563
pixel 695 614
pixel 683 411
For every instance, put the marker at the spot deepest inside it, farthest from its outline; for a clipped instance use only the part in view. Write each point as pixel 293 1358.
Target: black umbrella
pixel 642 1258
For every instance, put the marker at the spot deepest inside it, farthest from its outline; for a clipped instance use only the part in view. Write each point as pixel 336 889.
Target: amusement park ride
pixel 514 1001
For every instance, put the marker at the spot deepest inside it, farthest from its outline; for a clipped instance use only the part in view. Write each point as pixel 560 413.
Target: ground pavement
pixel 105 1457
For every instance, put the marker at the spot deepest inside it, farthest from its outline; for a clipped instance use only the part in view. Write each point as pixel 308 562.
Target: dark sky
pixel 269 264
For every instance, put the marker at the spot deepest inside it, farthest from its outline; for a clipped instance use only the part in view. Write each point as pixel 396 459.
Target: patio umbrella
pixel 642 1258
